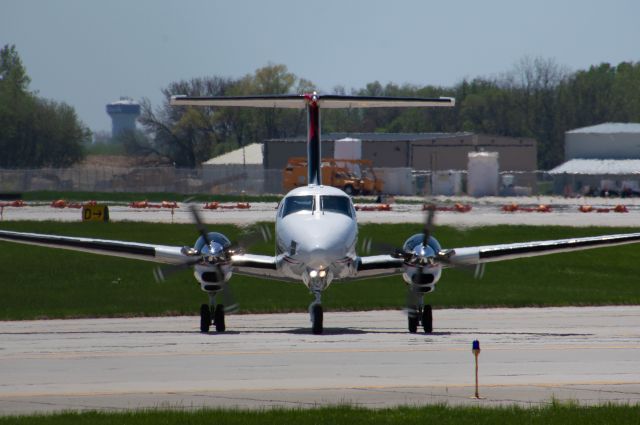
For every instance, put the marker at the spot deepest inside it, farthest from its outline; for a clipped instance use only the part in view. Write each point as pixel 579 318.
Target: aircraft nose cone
pixel 319 258
pixel 321 247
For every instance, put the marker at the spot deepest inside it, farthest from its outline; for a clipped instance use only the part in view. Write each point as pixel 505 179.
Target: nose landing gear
pixel 315 310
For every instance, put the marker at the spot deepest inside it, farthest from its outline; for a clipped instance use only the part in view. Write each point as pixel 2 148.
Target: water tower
pixel 123 113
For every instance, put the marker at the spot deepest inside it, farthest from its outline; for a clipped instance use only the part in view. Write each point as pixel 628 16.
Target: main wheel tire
pixel 219 318
pixel 317 316
pixel 205 318
pixel 413 324
pixel 413 318
pixel 427 319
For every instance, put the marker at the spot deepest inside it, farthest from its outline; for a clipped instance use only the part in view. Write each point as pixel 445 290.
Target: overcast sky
pixel 88 52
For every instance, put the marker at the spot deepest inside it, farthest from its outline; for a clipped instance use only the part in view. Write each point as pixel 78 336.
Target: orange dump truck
pixel 354 176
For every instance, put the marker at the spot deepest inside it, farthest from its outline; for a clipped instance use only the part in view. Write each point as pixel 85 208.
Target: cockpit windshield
pixel 293 204
pixel 337 204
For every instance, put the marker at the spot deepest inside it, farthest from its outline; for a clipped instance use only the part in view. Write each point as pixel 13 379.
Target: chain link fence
pixel 237 179
pixel 152 179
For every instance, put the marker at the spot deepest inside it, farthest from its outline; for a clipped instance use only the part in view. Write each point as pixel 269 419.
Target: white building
pixel 601 158
pixel 603 141
pixel 240 171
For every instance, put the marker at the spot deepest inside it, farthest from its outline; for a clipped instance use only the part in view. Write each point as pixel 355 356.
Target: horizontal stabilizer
pixel 338 101
pixel 324 101
pixel 283 101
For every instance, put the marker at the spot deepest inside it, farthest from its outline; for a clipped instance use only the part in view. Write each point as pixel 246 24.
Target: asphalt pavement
pixel 528 356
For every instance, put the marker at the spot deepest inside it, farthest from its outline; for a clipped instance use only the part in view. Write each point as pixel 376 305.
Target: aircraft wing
pixel 491 253
pixel 139 251
pixel 263 266
pixel 379 266
pixel 243 264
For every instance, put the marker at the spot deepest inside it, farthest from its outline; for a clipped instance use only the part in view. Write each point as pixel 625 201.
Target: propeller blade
pixel 479 271
pixel 162 273
pixel 366 245
pixel 252 236
pixel 199 224
pixel 370 246
pixel 229 300
pixel 428 224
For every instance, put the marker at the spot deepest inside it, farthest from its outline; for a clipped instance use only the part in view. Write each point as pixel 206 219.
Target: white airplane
pixel 316 232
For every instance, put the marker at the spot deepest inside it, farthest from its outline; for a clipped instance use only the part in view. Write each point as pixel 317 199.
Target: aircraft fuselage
pixel 316 234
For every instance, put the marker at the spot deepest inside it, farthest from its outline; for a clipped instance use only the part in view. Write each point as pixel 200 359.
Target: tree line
pixel 35 132
pixel 538 98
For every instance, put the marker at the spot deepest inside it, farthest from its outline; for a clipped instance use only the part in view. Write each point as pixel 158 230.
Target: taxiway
pixel 529 356
pixel 485 211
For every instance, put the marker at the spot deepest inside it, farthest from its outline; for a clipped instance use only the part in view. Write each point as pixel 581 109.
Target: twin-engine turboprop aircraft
pixel 316 232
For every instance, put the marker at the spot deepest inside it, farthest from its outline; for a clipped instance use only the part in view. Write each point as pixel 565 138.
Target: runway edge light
pixel 475 349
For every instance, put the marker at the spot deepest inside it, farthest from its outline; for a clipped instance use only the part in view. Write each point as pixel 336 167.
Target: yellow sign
pixel 95 213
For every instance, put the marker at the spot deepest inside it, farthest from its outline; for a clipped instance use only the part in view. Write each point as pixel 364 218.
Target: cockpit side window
pixel 337 204
pixel 293 204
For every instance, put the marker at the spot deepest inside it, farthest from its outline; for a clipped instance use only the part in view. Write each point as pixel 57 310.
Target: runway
pixel 529 356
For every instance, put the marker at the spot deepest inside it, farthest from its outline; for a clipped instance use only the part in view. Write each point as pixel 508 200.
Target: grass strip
pixel 556 413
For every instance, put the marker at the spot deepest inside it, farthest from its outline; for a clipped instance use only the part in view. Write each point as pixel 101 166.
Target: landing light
pixel 317 273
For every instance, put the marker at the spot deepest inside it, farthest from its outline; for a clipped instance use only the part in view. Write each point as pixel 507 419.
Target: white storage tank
pixel 483 174
pixel 397 180
pixel 347 148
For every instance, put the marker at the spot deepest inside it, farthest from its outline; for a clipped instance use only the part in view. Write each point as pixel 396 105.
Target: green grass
pixel 38 282
pixel 561 414
pixel 149 196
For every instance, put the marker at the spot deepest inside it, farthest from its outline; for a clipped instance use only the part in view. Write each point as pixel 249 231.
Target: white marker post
pixel 476 352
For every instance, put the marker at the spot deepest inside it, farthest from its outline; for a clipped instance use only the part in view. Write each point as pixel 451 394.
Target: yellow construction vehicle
pixel 354 176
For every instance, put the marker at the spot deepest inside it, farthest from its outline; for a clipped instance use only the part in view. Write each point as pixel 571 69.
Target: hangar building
pixel 600 158
pixel 391 153
pixel 418 151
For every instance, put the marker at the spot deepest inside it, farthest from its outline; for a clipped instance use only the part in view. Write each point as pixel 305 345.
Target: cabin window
pixel 337 204
pixel 294 204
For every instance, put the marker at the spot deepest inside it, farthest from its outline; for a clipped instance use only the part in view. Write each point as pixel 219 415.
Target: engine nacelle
pixel 422 281
pixel 212 277
pixel 419 273
pixel 216 271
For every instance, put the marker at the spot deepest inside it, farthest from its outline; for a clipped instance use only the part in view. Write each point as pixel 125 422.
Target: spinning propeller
pixel 213 254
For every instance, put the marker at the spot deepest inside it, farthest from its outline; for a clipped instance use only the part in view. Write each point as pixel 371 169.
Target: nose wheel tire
pixel 316 318
pixel 205 318
pixel 218 318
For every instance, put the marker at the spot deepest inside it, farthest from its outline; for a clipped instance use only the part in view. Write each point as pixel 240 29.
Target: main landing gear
pixel 212 314
pixel 421 315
